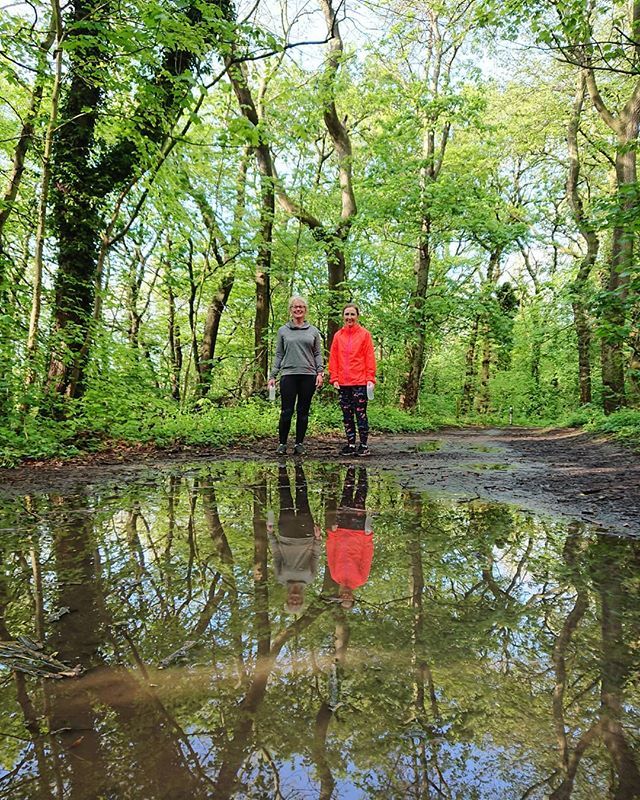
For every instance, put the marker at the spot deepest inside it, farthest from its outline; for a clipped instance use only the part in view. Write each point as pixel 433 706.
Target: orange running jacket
pixel 352 361
pixel 349 555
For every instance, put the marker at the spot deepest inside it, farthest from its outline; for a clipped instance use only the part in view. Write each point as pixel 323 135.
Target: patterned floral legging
pixel 353 402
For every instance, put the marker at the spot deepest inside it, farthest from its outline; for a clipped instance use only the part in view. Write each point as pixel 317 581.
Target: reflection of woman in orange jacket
pixel 350 540
pixel 352 368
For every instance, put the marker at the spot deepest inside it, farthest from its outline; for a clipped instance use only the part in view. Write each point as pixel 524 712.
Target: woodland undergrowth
pixel 103 424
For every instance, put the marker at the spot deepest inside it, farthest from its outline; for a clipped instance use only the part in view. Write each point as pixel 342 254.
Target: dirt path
pixel 561 472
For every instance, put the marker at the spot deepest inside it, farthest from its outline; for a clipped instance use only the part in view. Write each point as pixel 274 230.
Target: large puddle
pixel 312 631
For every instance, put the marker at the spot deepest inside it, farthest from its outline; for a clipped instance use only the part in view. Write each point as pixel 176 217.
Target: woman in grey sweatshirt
pixel 298 359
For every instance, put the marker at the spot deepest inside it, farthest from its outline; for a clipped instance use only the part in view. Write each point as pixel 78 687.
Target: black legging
pixel 292 387
pixel 352 509
pixel 295 520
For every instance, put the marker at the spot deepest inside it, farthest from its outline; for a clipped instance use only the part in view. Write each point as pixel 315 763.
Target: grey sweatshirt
pixel 298 351
pixel 295 558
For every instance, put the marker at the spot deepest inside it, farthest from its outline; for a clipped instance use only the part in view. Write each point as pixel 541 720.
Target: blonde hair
pixel 297 299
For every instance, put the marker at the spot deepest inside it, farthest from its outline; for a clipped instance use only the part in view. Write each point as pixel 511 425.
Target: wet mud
pixel 555 471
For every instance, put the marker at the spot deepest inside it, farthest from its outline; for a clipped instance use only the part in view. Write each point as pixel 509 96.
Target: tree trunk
pixel 483 399
pixel 263 285
pixel 485 373
pixel 134 284
pixel 334 242
pixel 34 320
pixel 536 355
pixel 76 220
pixel 337 275
pixel 332 238
pixel 614 311
pixel 193 291
pixel 175 350
pixel 173 329
pixel 239 80
pixel 85 172
pixel 578 302
pixel 225 253
pixel 433 157
pixel 411 387
pixel 583 335
pixel 466 402
pixel 211 329
pixel 625 126
pixel 25 136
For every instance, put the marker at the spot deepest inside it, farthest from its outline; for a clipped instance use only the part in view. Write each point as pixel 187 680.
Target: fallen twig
pixel 27 656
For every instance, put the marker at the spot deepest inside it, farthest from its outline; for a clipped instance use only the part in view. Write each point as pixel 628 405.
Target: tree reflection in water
pixel 490 653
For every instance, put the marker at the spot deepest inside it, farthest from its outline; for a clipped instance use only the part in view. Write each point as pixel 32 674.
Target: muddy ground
pixel 561 472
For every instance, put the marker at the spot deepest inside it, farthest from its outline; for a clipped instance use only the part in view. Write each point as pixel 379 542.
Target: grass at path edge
pixel 163 426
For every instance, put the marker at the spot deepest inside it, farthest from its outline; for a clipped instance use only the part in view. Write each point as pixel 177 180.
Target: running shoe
pixel 281 450
pixel 363 450
pixel 299 450
pixel 348 450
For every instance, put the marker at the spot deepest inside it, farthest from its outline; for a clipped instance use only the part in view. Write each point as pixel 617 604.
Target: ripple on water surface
pixel 311 630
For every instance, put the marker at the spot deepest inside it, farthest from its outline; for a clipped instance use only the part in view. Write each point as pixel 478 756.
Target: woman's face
pixel 295 593
pixel 346 597
pixel 350 316
pixel 298 311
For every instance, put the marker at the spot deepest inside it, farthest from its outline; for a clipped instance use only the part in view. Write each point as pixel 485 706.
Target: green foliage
pixel 216 427
pixel 623 425
pixel 327 417
pixel 104 422
pixel 503 245
pixel 33 439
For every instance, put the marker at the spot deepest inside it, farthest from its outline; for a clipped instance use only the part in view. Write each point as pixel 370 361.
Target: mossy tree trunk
pixel 613 321
pixel 580 283
pixel 86 170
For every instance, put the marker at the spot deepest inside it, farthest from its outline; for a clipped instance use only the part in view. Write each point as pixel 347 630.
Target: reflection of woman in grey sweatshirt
pixel 296 544
pixel 299 361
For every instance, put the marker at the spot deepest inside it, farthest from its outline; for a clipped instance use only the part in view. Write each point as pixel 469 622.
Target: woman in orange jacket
pixel 352 370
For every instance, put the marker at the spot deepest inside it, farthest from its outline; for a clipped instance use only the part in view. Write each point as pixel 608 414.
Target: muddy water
pixel 312 631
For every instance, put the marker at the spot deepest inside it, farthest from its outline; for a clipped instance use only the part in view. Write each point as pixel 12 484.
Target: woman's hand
pixel 319 380
pixel 271 382
pixel 336 385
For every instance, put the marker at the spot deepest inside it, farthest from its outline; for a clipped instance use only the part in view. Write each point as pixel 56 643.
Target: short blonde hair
pixel 297 299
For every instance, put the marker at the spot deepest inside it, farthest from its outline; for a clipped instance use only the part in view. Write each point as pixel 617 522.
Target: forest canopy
pixel 173 172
